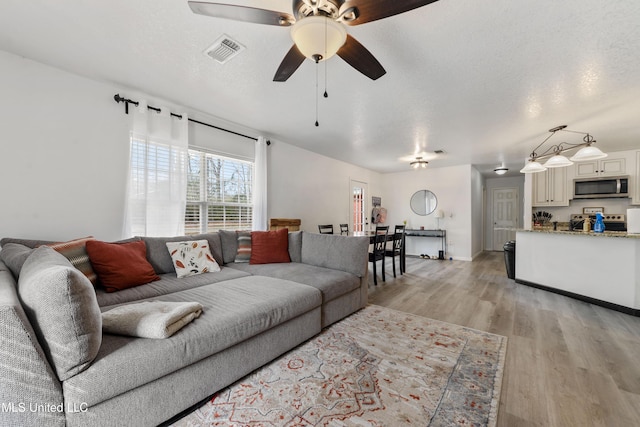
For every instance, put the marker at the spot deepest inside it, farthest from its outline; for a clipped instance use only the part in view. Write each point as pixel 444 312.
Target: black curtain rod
pixel 126 101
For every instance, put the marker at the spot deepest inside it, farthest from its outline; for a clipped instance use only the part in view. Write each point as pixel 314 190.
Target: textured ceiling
pixel 482 80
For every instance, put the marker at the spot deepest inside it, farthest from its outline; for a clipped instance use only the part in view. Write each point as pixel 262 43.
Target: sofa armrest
pixel 337 252
pixel 30 393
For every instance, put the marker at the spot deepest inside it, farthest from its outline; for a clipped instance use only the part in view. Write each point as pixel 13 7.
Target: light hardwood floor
pixel 569 363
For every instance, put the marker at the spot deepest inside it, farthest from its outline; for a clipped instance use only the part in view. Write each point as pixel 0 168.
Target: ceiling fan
pixel 318 28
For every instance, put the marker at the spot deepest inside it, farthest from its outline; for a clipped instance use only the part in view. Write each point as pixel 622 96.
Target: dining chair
pixel 325 229
pixel 378 254
pixel 344 229
pixel 396 248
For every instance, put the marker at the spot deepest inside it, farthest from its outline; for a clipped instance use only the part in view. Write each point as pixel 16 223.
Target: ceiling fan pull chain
pixel 326 95
pixel 317 124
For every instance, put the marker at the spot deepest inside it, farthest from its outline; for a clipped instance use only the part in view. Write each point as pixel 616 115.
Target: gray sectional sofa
pixel 251 314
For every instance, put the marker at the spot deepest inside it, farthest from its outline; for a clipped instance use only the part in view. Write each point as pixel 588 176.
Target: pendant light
pixel 589 152
pixel 557 161
pixel 533 166
pixel 554 153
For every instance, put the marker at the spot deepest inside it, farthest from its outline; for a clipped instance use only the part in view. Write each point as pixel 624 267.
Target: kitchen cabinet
pixel 550 188
pixel 609 166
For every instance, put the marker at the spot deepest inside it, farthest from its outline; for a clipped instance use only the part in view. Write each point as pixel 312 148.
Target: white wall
pixel 452 187
pixel 312 187
pixel 491 184
pixel 478 210
pixel 63 155
pixel 64 158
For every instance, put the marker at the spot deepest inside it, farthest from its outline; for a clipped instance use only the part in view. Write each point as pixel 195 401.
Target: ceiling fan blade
pixel 242 13
pixel 289 64
pixel 361 59
pixel 372 10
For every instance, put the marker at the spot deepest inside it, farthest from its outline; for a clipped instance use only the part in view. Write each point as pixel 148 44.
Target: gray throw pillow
pixel 229 240
pixel 14 255
pixel 61 305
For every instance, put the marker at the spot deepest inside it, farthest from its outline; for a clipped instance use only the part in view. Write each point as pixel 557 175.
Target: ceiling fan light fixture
pixel 310 33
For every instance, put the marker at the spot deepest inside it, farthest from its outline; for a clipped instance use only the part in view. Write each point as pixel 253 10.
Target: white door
pixel 505 216
pixel 358 206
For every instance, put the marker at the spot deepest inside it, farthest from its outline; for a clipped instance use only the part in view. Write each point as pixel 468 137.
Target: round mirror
pixel 423 202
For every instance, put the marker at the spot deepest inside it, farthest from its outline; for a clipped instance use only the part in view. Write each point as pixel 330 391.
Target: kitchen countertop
pixel 622 234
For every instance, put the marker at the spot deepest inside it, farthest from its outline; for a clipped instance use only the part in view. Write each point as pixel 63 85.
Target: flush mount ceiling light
pixel 501 170
pixel 554 154
pixel 419 163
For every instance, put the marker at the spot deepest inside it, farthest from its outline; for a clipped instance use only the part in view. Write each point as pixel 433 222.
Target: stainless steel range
pixel 612 222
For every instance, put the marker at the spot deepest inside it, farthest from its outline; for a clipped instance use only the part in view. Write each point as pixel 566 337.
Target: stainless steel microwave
pixel 599 188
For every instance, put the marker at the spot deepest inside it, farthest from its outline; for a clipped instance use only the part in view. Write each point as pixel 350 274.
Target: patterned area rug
pixel 378 367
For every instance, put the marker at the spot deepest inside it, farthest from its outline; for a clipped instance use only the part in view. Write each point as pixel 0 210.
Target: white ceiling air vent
pixel 224 49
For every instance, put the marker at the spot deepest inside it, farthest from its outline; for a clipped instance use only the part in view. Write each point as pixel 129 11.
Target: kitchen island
pixel 600 268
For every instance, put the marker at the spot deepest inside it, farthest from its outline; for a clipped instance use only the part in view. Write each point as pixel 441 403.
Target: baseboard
pixel 621 308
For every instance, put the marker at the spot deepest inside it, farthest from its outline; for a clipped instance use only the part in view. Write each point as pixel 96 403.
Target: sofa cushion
pixel 159 257
pixel 192 257
pixel 332 283
pixel 270 247
pixel 167 284
pixel 14 255
pixel 61 305
pixel 30 243
pixel 121 265
pixel 351 254
pixel 76 252
pixel 234 311
pixel 295 246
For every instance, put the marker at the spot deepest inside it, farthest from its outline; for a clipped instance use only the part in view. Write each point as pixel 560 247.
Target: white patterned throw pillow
pixel 192 257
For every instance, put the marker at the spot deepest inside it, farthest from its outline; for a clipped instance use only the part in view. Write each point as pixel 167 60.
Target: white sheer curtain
pixel 157 187
pixel 260 186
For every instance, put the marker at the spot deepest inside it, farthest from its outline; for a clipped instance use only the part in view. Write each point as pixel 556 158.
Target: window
pixel 219 193
pixel 156 187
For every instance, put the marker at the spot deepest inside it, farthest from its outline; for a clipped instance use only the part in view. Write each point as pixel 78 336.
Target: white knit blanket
pixel 150 319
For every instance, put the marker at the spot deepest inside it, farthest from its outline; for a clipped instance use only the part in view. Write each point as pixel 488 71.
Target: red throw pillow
pixel 270 246
pixel 120 265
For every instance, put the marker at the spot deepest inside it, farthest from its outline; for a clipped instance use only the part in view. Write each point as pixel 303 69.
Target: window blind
pixel 219 193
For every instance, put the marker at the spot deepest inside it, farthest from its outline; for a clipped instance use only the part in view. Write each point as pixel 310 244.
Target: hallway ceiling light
pixel 501 170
